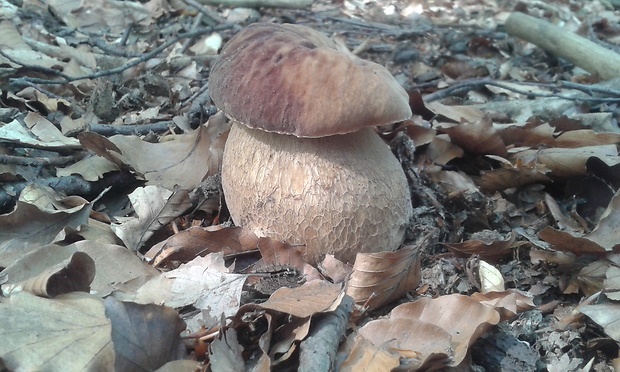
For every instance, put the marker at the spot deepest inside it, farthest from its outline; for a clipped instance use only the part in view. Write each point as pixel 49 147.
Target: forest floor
pixel 111 202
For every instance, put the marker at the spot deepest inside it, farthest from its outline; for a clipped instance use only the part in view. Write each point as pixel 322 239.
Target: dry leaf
pixel 478 137
pixel 312 297
pixel 204 282
pixel 188 244
pixel 605 237
pixel 145 337
pixel 364 356
pixel 379 278
pixel 606 315
pixel 491 280
pixel 81 344
pixel 73 274
pixel 493 248
pixel 154 207
pixel 27 228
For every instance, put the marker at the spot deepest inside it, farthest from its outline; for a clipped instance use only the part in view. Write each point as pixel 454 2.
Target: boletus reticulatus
pixel 302 162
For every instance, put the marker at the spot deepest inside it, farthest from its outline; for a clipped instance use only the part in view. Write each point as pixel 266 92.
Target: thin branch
pixel 71 185
pixel 143 58
pixel 475 84
pixel 36 161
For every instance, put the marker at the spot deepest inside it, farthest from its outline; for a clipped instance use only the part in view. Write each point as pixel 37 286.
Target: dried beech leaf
pixel 491 280
pixel 312 297
pixel 27 227
pixel 154 207
pixel 508 303
pixel 431 344
pixel 605 237
pixel 478 137
pixel 441 151
pixel 73 274
pixel 225 353
pixel 612 283
pixel 364 356
pixel 204 282
pixel 180 160
pixel 456 113
pixel 195 241
pixel 493 248
pixel 277 254
pixel 512 176
pixel 76 324
pixel 606 315
pixel 144 336
pixel 379 278
pixel 464 318
pixel 567 162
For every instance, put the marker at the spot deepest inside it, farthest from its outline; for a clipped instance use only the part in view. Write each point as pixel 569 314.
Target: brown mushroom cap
pixel 292 79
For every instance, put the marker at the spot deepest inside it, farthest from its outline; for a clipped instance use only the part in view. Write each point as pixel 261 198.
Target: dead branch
pixel 574 48
pixel 289 4
pixel 36 161
pixel 592 92
pixel 113 71
pixel 318 351
pixel 71 185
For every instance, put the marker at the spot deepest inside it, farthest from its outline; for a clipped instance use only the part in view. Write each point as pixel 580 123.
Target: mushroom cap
pixel 337 195
pixel 292 79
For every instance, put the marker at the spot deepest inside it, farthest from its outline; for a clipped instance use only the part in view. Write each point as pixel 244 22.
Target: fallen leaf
pixel 145 337
pixel 27 227
pixel 312 297
pixel 195 241
pixel 154 207
pixel 378 278
pixel 75 322
pixel 73 274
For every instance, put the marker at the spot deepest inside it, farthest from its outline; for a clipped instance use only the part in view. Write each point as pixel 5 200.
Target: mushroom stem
pixel 339 194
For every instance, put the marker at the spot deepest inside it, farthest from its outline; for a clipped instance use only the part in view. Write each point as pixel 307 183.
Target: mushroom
pixel 302 162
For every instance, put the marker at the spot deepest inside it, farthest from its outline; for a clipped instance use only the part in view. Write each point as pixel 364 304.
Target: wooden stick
pixel 291 4
pixel 574 48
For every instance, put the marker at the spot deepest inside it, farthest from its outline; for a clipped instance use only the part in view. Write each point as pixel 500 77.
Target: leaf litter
pixel 116 247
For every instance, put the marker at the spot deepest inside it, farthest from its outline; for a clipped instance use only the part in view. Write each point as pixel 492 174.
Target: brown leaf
pixel 364 356
pixel 154 207
pixel 606 315
pixel 567 162
pixel 276 254
pixel 379 278
pixel 75 322
pixel 313 297
pixel 464 318
pixel 605 237
pixel 27 228
pixel 195 241
pixel 73 274
pixel 479 137
pixel 144 336
pixel 430 344
pixel 493 249
pixel 508 303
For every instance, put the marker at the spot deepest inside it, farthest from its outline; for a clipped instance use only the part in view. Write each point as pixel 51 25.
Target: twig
pixel 36 161
pixel 289 4
pixel 110 130
pixel 143 58
pixel 71 185
pixel 318 351
pixel 474 84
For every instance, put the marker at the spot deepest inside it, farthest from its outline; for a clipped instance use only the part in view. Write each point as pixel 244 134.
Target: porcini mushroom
pixel 302 162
